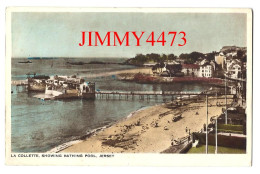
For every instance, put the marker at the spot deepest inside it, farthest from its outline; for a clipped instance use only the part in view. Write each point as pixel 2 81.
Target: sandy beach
pixel 139 132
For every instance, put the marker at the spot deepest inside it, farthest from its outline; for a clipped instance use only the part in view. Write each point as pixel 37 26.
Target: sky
pixel 58 34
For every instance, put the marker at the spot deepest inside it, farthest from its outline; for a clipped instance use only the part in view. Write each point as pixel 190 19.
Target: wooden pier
pixel 149 94
pixel 19 82
pixel 144 95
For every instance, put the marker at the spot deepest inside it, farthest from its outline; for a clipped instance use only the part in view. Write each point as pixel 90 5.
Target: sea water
pixel 38 125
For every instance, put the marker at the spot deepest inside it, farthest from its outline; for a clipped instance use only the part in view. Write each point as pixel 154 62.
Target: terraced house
pixel 206 70
pixel 190 70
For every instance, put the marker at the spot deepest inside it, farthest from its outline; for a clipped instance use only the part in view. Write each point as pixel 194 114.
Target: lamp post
pixel 242 90
pixel 216 132
pixel 226 98
pixel 207 124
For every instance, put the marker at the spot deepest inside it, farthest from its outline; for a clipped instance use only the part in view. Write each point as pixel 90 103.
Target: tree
pixel 141 58
pixel 196 55
pixel 173 69
pixel 155 57
pixel 192 57
pixel 164 58
pixel 211 56
pixel 240 54
pixel 148 56
pixel 244 58
pixel 172 57
pixel 184 56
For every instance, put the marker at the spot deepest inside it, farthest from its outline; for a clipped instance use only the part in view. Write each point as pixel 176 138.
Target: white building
pixel 156 69
pixel 150 64
pixel 206 70
pixel 190 70
pixel 220 59
pixel 234 69
pixel 171 62
pixel 233 54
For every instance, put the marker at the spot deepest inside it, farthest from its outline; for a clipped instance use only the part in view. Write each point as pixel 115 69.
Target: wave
pixel 80 139
pixel 93 132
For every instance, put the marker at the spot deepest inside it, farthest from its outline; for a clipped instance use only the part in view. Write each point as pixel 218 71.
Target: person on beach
pixel 186 129
pixel 172 141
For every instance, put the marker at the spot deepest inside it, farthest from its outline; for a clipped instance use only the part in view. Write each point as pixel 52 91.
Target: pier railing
pixel 148 94
pixel 19 82
pixel 157 93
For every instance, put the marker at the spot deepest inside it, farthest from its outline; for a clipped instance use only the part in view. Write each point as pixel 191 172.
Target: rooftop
pixel 188 66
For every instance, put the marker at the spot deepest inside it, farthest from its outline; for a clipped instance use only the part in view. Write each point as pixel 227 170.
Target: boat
pixel 34 58
pixel 76 63
pixel 40 58
pixel 25 62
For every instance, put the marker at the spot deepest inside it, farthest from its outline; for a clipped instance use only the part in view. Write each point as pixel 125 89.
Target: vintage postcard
pixel 129 86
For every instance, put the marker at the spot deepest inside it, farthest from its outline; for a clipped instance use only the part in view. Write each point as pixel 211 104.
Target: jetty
pixel 19 82
pixel 93 93
pixel 148 94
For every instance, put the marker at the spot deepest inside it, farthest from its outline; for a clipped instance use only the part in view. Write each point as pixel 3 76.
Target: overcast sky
pixel 58 34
